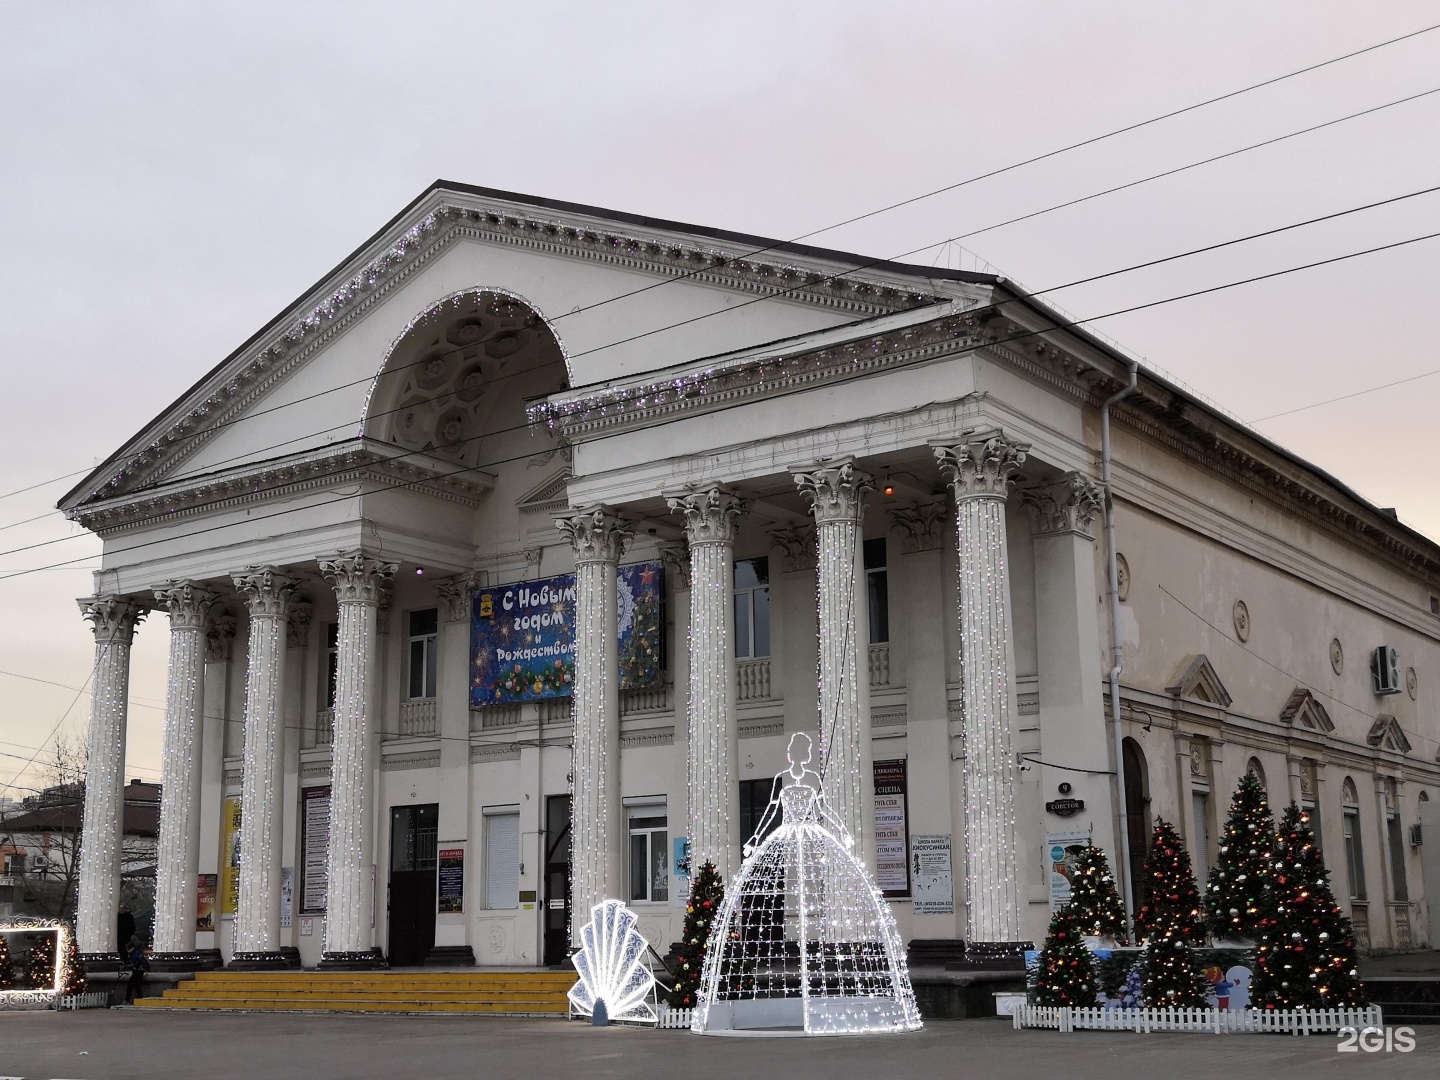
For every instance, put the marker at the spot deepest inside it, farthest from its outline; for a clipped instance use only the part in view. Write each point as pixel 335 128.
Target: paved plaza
pixel 124 1043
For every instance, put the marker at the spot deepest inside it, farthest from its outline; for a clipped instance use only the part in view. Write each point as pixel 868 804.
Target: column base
pixel 195 960
pixel 450 956
pixel 101 961
pixel 374 960
pixel 257 961
pixel 992 956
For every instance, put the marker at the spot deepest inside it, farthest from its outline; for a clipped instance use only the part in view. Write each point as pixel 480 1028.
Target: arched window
pixel 1354 847
pixel 1255 767
pixel 1137 807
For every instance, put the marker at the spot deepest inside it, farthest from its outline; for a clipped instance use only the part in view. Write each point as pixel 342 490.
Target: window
pixel 1396 836
pixel 332 662
pixel 754 798
pixel 423 626
pixel 877 582
pixel 1354 850
pixel 1259 770
pixel 752 608
pixel 413 834
pixel 649 854
pixel 1200 801
pixel 15 863
pixel 502 859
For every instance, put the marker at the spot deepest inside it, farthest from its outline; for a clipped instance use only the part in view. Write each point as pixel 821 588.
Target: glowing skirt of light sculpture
pixel 804 943
pixel 611 966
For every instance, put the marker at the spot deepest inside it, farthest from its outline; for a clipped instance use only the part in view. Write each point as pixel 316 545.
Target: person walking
pixel 139 967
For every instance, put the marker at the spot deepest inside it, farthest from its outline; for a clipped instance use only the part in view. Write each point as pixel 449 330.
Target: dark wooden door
pixel 413 833
pixel 557 879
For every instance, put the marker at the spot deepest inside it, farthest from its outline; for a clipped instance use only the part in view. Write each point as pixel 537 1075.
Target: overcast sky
pixel 172 175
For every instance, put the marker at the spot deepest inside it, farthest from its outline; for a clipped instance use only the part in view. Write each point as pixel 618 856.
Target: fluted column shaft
pixel 597 829
pixel 267 593
pixel 980 471
pixel 350 895
pixel 712 760
pixel 177 857
pixel 836 491
pixel 113 620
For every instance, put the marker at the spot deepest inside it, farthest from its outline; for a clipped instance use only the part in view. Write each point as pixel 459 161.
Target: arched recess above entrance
pixel 455 383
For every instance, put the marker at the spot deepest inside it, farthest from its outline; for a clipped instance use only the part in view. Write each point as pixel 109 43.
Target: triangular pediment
pixel 1304 710
pixel 1386 734
pixel 547 496
pixel 1197 680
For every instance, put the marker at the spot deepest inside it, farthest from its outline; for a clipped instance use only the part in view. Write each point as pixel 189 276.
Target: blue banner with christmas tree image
pixel 523 636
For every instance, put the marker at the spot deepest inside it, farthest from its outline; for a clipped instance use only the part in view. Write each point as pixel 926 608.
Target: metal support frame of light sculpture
pixel 614 982
pixel 804 943
pixel 25 924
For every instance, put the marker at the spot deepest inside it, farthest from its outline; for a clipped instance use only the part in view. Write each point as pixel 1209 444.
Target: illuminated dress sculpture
pixel 804 943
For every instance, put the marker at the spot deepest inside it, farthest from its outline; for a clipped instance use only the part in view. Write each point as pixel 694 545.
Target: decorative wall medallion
pixel 496 939
pixel 1412 683
pixel 1197 758
pixel 1242 620
pixel 1122 577
pixel 1337 656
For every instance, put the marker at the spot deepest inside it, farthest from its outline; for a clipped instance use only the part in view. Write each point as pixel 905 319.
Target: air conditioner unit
pixel 1385 670
pixel 1415 840
pixel 40 862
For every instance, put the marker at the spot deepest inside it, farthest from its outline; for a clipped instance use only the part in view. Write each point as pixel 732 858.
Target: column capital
pixel 112 618
pixel 675 555
pixel 454 595
pixel 797 542
pixel 709 513
pixel 356 577
pixel 219 633
pixel 921 525
pixel 188 603
pixel 267 589
pixel 982 465
pixel 1066 506
pixel 836 489
pixel 596 533
pixel 297 622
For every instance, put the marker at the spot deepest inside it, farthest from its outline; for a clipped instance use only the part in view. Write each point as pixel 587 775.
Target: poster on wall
pixel 205 902
pixel 314 848
pixel 287 896
pixel 892 866
pixel 450 887
pixel 230 857
pixel 522 636
pixel 1061 849
pixel 931 883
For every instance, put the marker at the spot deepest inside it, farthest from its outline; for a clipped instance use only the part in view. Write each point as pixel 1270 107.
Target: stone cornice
pixel 283 477
pixel 453 216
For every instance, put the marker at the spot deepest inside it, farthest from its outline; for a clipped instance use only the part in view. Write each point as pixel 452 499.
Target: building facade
pixel 513 553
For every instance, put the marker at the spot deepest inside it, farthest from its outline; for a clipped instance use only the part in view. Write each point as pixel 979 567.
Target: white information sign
pixel 931 883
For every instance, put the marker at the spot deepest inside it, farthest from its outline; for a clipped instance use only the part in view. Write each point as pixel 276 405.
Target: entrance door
pixel 413 834
pixel 557 879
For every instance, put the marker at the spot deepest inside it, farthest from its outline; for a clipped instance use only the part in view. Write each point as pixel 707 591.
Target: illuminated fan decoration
pixel 804 943
pixel 614 982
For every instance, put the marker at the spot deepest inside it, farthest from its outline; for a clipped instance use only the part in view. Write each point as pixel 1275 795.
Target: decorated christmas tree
pixel 7 970
pixel 1169 973
pixel 1240 879
pixel 74 970
pixel 706 893
pixel 1094 901
pixel 1066 974
pixel 40 965
pixel 1169 900
pixel 1305 954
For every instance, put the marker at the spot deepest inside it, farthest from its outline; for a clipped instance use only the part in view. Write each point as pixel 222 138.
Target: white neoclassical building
pixel 507 558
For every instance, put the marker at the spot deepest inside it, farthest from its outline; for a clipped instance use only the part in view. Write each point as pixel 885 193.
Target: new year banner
pixel 522 636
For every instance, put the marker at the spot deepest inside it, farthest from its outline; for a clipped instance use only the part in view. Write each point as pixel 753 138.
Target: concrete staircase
pixel 494 993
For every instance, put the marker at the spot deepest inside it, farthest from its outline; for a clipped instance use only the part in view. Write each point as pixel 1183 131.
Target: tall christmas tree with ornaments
pixel 7 969
pixel 1169 922
pixel 40 964
pixel 1094 901
pixel 707 892
pixel 1240 879
pixel 1066 972
pixel 1305 954
pixel 74 970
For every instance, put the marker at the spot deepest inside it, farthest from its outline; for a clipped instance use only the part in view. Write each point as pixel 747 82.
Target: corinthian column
pixel 350 893
pixel 836 491
pixel 257 922
pixel 113 619
pixel 597 831
pixel 713 765
pixel 980 471
pixel 177 859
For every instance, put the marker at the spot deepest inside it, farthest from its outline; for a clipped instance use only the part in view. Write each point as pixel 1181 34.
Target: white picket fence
pixel 91 999
pixel 676 1018
pixel 1216 1021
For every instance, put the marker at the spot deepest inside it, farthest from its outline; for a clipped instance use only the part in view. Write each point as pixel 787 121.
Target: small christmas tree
pixel 706 893
pixel 1169 900
pixel 1067 973
pixel 1094 901
pixel 40 965
pixel 7 970
pixel 1239 881
pixel 1169 974
pixel 74 970
pixel 1305 955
